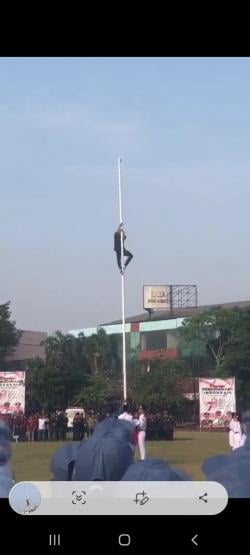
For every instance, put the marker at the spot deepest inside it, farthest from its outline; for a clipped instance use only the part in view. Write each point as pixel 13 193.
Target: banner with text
pixel 217 401
pixel 12 391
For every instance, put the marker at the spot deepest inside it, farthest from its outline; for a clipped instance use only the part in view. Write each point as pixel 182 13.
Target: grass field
pixel 31 461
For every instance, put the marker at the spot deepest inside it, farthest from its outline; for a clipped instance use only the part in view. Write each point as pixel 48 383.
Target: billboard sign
pixel 156 297
pixel 217 400
pixel 12 391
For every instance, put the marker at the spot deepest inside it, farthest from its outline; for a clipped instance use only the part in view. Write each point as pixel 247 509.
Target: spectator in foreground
pixel 63 462
pixel 154 470
pixel 106 455
pixel 6 474
pixel 232 471
pixel 119 429
pixel 103 458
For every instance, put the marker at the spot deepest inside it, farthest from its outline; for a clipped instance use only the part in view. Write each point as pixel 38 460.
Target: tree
pixel 197 363
pixel 101 351
pixel 225 334
pixel 44 389
pixel 76 369
pixel 54 382
pixel 99 393
pixel 103 385
pixel 157 389
pixel 237 359
pixel 9 335
pixel 213 329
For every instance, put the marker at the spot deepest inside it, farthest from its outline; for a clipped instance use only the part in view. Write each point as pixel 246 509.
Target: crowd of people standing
pixel 38 426
pixel 41 426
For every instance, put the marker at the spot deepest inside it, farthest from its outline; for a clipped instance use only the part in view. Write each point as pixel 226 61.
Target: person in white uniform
pixel 126 414
pixel 243 440
pixel 142 426
pixel 243 434
pixel 231 433
pixel 235 432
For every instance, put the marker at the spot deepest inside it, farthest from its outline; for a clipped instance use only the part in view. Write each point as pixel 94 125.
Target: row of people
pixel 54 427
pixel 37 426
pixel 44 427
pixel 160 426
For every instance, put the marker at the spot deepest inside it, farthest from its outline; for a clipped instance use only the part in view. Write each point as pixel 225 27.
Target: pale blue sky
pixel 182 127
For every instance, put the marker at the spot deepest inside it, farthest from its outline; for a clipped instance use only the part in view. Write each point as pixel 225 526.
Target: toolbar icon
pixel 141 498
pixel 78 497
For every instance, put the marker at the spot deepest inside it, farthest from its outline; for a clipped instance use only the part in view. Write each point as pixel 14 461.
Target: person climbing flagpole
pixel 121 254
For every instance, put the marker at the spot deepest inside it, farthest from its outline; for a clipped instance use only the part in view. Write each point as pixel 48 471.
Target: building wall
pixel 143 335
pixel 152 339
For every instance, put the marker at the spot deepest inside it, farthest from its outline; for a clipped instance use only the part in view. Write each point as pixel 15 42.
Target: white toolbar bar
pixel 118 498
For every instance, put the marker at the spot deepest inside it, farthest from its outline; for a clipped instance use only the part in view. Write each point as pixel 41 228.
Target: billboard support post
pixel 171 299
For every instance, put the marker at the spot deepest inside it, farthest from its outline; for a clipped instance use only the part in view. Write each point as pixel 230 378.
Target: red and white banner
pixel 217 400
pixel 12 391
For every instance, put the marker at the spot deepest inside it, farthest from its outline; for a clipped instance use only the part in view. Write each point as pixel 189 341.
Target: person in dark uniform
pixel 6 472
pixel 23 427
pixel 7 417
pixel 91 423
pixel 53 436
pixel 60 426
pixel 168 427
pixel 119 238
pixel 65 426
pixel 81 427
pixel 17 425
pixel 75 426
pixel 158 431
pixel 150 427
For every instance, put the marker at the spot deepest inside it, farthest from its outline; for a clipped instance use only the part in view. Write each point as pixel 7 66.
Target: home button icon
pixel 124 540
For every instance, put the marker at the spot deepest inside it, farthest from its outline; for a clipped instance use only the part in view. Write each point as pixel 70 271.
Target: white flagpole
pixel 124 366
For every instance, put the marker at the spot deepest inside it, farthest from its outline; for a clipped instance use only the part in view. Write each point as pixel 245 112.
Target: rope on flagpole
pixel 124 363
